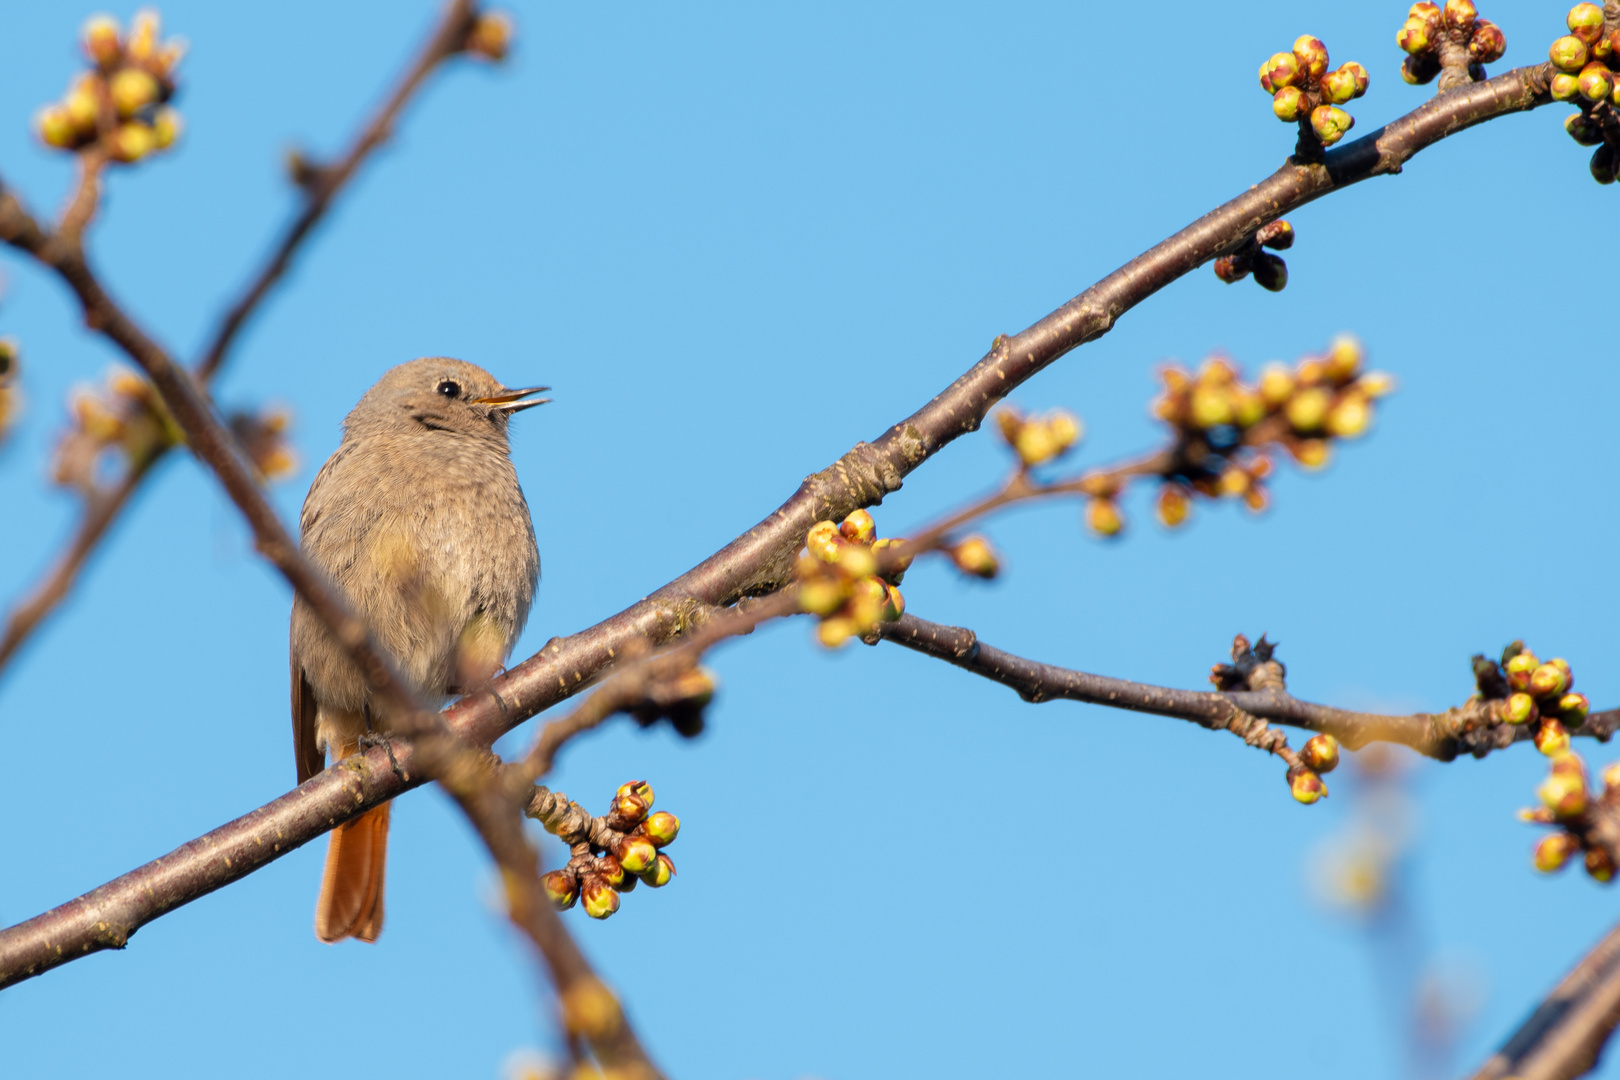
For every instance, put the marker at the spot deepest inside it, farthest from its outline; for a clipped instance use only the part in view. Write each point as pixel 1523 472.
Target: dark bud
pixel 1270 272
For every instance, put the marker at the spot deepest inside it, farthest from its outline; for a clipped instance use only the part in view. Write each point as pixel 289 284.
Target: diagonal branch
pixel 755 563
pixel 1464 729
pixel 1564 1036
pixel 324 185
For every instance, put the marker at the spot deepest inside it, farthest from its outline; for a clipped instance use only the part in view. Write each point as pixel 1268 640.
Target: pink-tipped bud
pixel 1312 55
pixel 1554 851
pixel 635 853
pixel 1279 71
pixel 1551 738
pixel 1595 82
pixel 1305 785
pixel 1339 86
pixel 1568 54
pixel 858 527
pixel 1585 21
pixel 1520 668
pixel 601 899
pixel 1487 44
pixel 1288 103
pixel 561 888
pixel 1331 123
pixel 1414 37
pixel 1519 708
pixel 1321 753
pixel 1564 86
pixel 662 828
pixel 1460 15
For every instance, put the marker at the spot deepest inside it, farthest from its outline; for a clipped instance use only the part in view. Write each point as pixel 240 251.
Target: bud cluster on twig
pixel 608 855
pixel 125 419
pixel 121 104
pixel 1521 689
pixel 1587 821
pixel 1303 90
pixel 843 579
pixel 1255 667
pixel 1587 60
pixel 1452 39
pixel 1269 271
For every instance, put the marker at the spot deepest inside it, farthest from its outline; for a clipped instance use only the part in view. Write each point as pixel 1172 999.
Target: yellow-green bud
pixel 1554 851
pixel 1312 55
pixel 1551 738
pixel 1104 517
pixel 659 874
pixel 1568 54
pixel 1321 753
pixel 1330 123
pixel 975 556
pixel 1279 71
pixel 1305 785
pixel 132 90
pixel 55 127
pixel 858 527
pixel 1548 680
pixel 1585 22
pixel 561 888
pixel 662 828
pixel 635 853
pixel 1519 708
pixel 1288 103
pixel 601 899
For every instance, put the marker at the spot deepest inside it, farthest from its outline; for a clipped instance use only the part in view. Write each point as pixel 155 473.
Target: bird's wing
pixel 306 752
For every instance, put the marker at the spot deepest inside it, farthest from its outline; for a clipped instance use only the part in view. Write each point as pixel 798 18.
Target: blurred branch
pixel 1563 1038
pixel 320 187
pixel 1468 728
pixel 758 562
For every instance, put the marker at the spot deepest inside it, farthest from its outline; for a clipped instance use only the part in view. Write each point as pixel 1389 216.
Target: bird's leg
pixel 373 737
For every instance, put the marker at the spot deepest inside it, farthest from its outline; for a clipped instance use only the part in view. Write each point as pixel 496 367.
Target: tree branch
pixel 1564 1036
pixel 757 562
pixel 1467 728
pixel 319 192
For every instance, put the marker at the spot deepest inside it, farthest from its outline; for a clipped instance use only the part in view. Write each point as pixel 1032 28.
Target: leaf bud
pixel 1270 272
pixel 975 556
pixel 1551 738
pixel 601 899
pixel 1574 707
pixel 1288 103
pixel 1420 69
pixel 561 888
pixel 858 527
pixel 1174 505
pixel 1519 708
pixel 659 874
pixel 100 41
pixel 1583 129
pixel 1312 55
pixel 1349 416
pixel 1585 22
pixel 1279 71
pixel 662 828
pixel 1330 123
pixel 1554 851
pixel 1460 15
pixel 1568 54
pixel 1321 753
pixel 1104 518
pixel 1487 44
pixel 1305 785
pixel 635 853
pixel 1231 271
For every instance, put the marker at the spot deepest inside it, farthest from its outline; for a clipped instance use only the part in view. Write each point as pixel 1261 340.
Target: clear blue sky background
pixel 737 238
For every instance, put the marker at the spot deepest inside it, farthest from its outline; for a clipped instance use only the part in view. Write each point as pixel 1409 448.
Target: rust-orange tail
pixel 351 901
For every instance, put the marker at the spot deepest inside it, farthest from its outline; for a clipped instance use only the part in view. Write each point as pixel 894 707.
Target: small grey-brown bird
pixel 419 521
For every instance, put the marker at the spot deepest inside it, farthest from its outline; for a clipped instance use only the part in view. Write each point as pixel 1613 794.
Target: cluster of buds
pixel 121 104
pixel 680 698
pixel 125 419
pixel 263 438
pixel 608 855
pixel 850 579
pixel 1038 439
pixel 1587 821
pixel 1453 39
pixel 1302 89
pixel 1521 689
pixel 1269 271
pixel 1256 667
pixel 1588 75
pixel 10 399
pixel 1223 425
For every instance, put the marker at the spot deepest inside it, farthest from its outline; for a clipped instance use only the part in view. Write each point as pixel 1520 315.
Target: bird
pixel 418 519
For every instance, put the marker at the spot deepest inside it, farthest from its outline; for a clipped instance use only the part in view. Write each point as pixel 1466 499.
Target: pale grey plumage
pixel 419 520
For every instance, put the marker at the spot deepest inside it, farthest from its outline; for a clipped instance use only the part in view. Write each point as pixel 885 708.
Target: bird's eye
pixel 449 388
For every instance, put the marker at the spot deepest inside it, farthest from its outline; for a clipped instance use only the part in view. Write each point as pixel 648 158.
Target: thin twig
pixel 1467 728
pixel 755 563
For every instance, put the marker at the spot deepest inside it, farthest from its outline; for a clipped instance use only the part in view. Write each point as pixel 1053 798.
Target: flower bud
pixel 1564 792
pixel 1425 12
pixel 1339 86
pixel 1585 22
pixel 900 565
pixel 894 603
pixel 1520 668
pixel 561 888
pixel 1256 499
pixel 611 871
pixel 662 828
pixel 601 899
pixel 1564 87
pixel 1330 123
pixel 867 601
pixel 1277 235
pixel 1231 271
pixel 1487 44
pixel 1279 71
pixel 1360 75
pixel 1595 82
pixel 635 853
pixel 1413 37
pixel 1574 707
pixel 659 874
pixel 166 128
pixel 1603 164
pixel 975 556
pixel 1600 864
pixel 490 36
pixel 1420 69
pixel 1307 410
pixel 822 541
pixel 83 105
pixel 1583 129
pixel 101 46
pixel 1276 384
pixel 1104 517
pixel 131 90
pixel 1288 103
pixel 1349 416
pixel 823 596
pixel 1312 55
pixel 1568 54
pixel 1321 753
pixel 1551 738
pixel 1554 851
pixel 1174 505
pixel 835 631
pixel 1311 453
pixel 1234 481
pixel 143 34
pixel 1611 776
pixel 1035 444
pixel 1009 423
pixel 1065 427
pixel 858 527
pixel 55 127
pixel 1460 14
pixel 133 141
pixel 1548 680
pixel 1211 406
pixel 1519 708
pixel 1270 272
pixel 856 561
pixel 1305 785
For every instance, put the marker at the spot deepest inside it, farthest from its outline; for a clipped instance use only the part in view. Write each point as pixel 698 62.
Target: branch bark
pixel 755 563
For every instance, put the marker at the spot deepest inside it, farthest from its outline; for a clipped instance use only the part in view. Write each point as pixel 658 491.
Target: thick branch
pixel 754 563
pixel 1464 729
pixel 103 508
pixel 1564 1036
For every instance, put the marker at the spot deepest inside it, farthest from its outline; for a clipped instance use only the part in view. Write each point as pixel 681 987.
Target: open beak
pixel 511 401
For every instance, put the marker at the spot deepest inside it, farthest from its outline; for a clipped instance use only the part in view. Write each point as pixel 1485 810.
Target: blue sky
pixel 736 239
